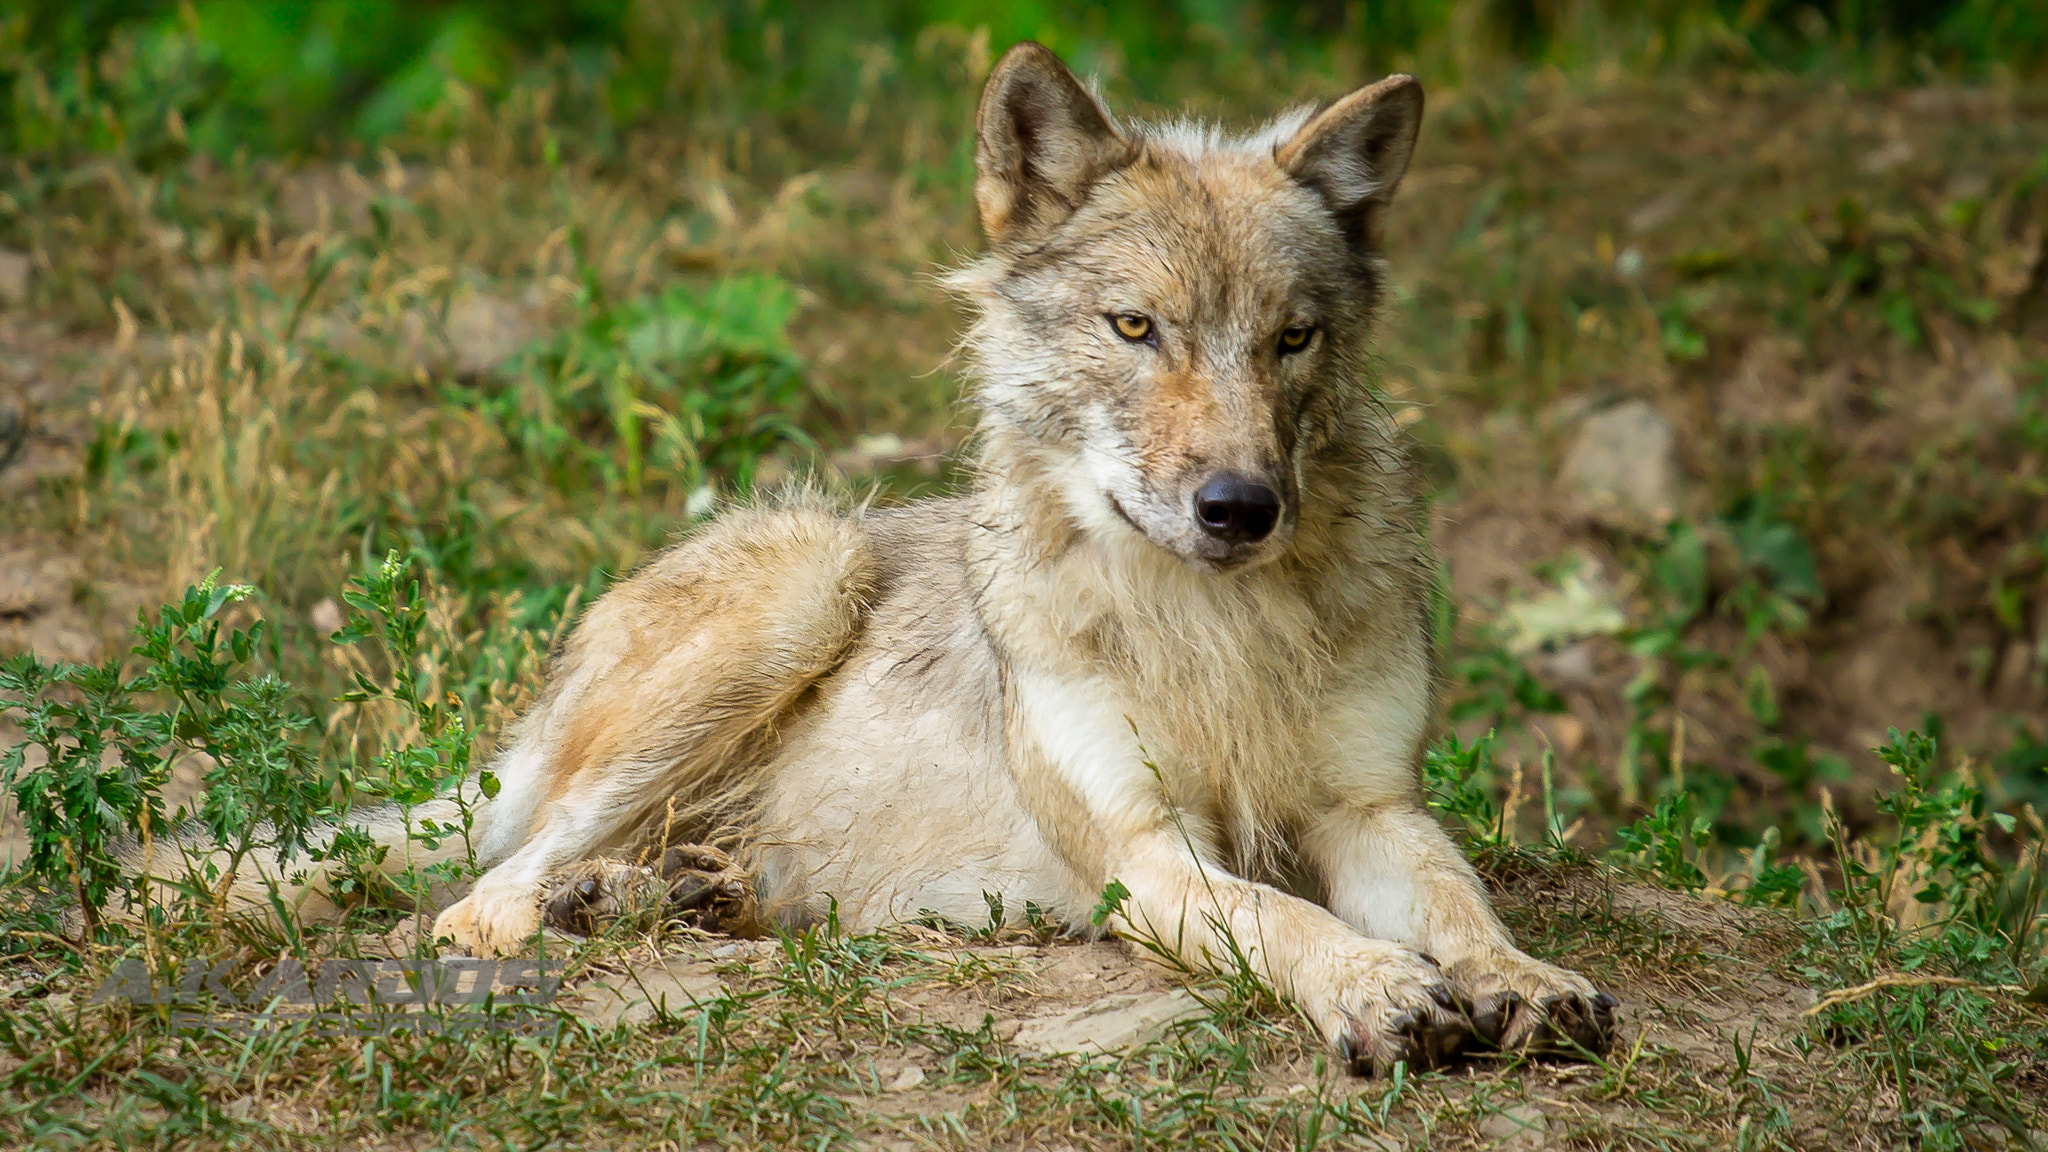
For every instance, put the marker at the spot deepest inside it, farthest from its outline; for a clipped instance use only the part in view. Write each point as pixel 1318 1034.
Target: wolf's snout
pixel 1236 510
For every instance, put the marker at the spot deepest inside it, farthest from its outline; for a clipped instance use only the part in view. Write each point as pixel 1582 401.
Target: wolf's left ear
pixel 1355 151
pixel 1042 140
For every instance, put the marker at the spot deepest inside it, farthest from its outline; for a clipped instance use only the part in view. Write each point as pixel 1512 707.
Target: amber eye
pixel 1132 326
pixel 1296 338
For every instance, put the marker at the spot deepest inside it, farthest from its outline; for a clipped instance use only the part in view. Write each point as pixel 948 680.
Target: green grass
pixel 250 347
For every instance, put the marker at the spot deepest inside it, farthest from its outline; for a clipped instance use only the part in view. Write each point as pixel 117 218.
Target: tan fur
pixel 1062 678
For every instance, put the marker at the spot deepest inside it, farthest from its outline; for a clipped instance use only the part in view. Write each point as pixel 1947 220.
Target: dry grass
pixel 1836 299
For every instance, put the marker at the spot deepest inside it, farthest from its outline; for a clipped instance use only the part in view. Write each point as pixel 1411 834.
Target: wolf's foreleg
pixel 1378 1002
pixel 1392 872
pixel 1106 813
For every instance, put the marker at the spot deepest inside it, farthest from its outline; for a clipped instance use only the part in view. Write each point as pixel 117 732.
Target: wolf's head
pixel 1173 322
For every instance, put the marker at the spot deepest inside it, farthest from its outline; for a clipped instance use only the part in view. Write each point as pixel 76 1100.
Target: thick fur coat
pixel 1175 636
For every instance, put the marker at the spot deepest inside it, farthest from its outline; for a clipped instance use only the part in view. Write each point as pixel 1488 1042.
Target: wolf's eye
pixel 1296 338
pixel 1132 326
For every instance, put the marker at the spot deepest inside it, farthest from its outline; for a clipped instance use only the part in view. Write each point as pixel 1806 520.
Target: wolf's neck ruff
pixel 1162 307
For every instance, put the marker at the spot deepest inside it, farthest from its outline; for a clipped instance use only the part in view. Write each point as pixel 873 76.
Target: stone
pixel 485 333
pixel 673 986
pixel 15 273
pixel 904 1081
pixel 1112 1024
pixel 1622 470
pixel 1516 1128
pixel 1990 396
pixel 32 583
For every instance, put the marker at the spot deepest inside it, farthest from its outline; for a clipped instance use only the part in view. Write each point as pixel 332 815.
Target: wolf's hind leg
pixel 696 884
pixel 671 687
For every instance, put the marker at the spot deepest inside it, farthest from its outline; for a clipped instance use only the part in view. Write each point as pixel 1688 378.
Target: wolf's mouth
pixel 1117 506
pixel 1224 561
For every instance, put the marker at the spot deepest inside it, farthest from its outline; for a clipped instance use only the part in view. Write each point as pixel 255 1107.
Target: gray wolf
pixel 1175 636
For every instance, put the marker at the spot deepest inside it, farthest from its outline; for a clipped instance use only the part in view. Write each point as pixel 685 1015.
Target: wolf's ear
pixel 1042 140
pixel 1355 151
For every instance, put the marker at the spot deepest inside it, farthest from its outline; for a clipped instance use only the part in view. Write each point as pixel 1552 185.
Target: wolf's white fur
pixel 1061 679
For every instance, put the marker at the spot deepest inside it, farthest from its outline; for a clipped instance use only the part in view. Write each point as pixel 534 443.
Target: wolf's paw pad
pixel 1424 1038
pixel 596 892
pixel 698 886
pixel 707 891
pixel 1397 1008
pixel 1529 1006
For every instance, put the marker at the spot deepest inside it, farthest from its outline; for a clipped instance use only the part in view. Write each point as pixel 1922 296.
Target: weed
pixel 108 742
pixel 1668 841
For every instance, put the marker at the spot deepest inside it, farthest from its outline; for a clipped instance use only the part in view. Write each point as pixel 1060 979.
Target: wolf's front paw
pixel 1389 1005
pixel 597 892
pixel 487 923
pixel 1522 1004
pixel 697 885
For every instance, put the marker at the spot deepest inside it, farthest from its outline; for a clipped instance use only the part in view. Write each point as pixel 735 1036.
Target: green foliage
pixel 1494 685
pixel 109 740
pixel 1458 780
pixel 1943 1043
pixel 1777 581
pixel 1775 885
pixel 692 384
pixel 1940 844
pixel 1668 841
pixel 436 764
pixel 157 81
pixel 1111 904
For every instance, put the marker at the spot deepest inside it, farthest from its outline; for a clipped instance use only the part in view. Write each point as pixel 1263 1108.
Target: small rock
pixel 1991 396
pixel 1109 1025
pixel 325 617
pixel 31 584
pixel 1765 387
pixel 633 998
pixel 1659 210
pixel 1883 159
pixel 905 1080
pixel 15 272
pixel 1573 665
pixel 1622 470
pixel 872 453
pixel 1515 1128
pixel 484 333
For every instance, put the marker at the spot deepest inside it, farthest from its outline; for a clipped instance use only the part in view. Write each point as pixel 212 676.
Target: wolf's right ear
pixel 1042 139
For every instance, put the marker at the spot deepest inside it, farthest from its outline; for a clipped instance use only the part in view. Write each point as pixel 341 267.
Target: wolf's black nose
pixel 1237 510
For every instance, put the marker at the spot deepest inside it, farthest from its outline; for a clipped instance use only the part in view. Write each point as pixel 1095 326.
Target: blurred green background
pixel 338 74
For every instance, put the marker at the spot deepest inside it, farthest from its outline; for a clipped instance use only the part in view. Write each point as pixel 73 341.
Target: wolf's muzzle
pixel 1236 510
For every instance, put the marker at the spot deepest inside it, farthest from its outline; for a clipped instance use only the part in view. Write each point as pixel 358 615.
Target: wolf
pixel 1171 645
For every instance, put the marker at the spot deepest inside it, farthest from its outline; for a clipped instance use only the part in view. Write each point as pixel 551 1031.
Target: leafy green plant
pixel 1458 780
pixel 1939 848
pixel 109 741
pixel 688 385
pixel 1777 583
pixel 387 607
pixel 1773 884
pixel 1668 841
